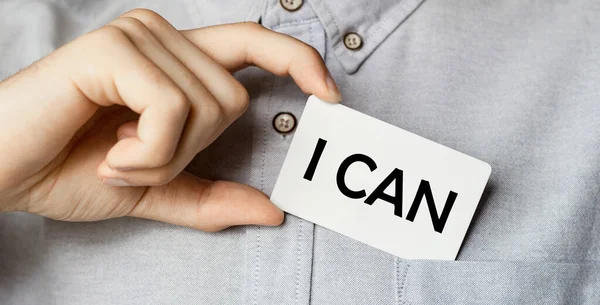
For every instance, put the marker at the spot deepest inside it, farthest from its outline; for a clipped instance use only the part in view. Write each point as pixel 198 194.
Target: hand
pixel 104 126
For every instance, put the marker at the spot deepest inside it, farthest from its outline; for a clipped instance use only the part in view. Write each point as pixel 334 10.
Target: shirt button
pixel 352 41
pixel 284 122
pixel 291 5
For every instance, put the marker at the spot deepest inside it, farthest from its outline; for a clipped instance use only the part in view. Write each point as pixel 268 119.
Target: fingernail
pixel 333 88
pixel 115 182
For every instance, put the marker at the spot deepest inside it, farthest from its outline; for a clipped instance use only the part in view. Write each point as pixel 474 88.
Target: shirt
pixel 513 83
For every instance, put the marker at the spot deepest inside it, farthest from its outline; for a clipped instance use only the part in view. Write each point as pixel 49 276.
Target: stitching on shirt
pixel 397 280
pixel 262 186
pixel 264 134
pixel 296 22
pixel 327 10
pixel 378 31
pixel 310 241
pixel 401 281
pixel 301 222
pixel 298 259
pixel 256 267
pixel 404 10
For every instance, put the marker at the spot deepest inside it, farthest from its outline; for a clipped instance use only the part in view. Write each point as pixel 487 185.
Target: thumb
pixel 207 205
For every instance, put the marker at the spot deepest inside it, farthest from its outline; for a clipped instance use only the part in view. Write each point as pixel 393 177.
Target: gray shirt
pixel 513 83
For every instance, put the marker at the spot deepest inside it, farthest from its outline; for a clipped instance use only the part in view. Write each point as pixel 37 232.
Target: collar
pixel 372 20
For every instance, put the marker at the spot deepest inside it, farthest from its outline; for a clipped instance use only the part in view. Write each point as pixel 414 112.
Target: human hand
pixel 104 126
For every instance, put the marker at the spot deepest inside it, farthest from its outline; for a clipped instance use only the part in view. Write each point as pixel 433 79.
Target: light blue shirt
pixel 513 83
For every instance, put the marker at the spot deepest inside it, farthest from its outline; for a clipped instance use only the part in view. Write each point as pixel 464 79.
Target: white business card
pixel 379 184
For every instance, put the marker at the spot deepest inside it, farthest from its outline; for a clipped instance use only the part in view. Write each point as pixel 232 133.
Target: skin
pixel 104 126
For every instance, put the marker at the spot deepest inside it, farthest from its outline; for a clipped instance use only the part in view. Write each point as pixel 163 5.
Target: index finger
pixel 239 45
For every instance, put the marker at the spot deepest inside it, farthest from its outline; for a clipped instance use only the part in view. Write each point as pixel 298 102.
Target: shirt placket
pixel 278 260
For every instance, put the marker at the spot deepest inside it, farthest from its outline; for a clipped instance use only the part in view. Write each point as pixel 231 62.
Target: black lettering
pixel 314 161
pixel 341 174
pixel 396 200
pixel 438 221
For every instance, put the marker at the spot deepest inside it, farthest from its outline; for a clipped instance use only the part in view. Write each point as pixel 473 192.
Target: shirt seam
pixel 401 278
pixel 311 226
pixel 403 8
pixel 375 31
pixel 336 33
pixel 256 267
pixel 295 22
pixel 298 260
pixel 262 186
pixel 299 238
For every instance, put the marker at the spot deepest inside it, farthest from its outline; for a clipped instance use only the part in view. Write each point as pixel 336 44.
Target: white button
pixel 291 5
pixel 284 122
pixel 352 41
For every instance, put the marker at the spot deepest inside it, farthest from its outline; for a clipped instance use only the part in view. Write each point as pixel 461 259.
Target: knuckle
pixel 110 35
pixel 131 24
pixel 155 79
pixel 155 76
pixel 178 102
pixel 144 15
pixel 240 100
pixel 212 114
pixel 191 81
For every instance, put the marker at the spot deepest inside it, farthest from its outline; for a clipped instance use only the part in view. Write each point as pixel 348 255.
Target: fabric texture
pixel 513 83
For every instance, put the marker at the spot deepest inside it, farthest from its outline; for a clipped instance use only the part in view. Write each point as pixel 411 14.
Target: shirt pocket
pixel 497 282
